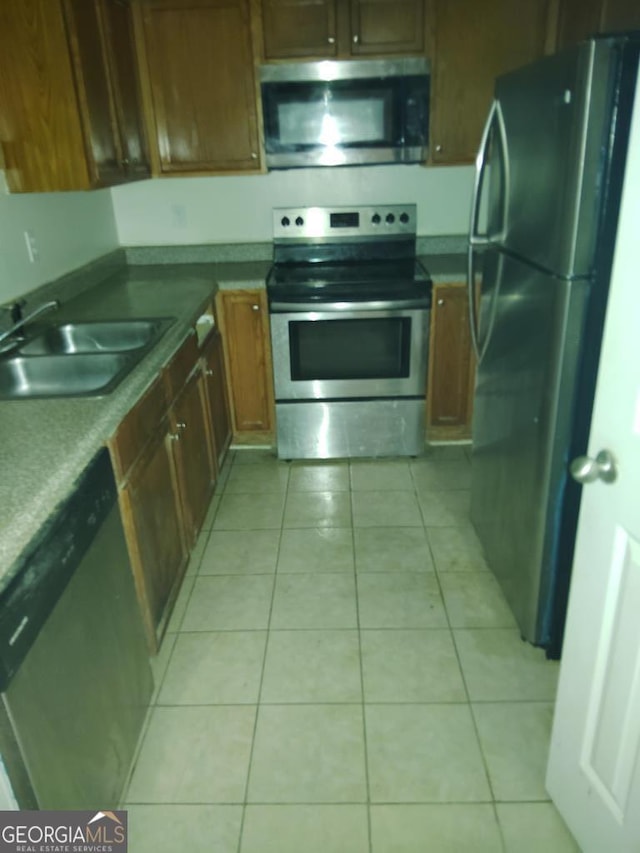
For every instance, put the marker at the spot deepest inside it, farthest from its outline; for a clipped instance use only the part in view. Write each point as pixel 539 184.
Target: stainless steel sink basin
pixel 31 376
pixel 105 336
pixel 78 359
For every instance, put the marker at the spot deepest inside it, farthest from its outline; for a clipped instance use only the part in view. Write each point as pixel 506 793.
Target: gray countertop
pixel 46 444
pixel 444 268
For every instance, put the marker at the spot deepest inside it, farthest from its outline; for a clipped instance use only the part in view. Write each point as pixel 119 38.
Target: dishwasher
pixel 75 677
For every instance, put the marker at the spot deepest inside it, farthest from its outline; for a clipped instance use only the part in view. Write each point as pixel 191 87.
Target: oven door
pixel 330 355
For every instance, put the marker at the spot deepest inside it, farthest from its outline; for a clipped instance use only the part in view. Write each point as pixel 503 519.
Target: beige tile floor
pixel 342 675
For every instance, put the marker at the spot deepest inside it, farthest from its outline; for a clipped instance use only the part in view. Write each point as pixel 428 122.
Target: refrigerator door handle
pixel 476 239
pixel 473 318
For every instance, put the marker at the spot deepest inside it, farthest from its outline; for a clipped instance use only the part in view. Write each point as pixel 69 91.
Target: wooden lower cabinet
pixel 193 455
pixel 150 510
pixel 243 316
pixel 451 365
pixel 216 397
pixel 163 458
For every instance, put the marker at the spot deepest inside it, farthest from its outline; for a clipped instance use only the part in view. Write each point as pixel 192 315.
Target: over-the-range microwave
pixel 353 112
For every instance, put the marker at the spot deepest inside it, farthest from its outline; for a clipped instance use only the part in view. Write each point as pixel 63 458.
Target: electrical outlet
pixel 32 247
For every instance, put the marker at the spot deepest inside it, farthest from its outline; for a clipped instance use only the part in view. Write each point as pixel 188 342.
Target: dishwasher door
pixel 72 713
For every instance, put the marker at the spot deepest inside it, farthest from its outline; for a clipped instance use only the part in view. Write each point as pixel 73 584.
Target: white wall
pixel 70 229
pixel 238 208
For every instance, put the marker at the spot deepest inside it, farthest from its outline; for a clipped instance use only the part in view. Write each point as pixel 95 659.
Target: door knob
pixel 584 469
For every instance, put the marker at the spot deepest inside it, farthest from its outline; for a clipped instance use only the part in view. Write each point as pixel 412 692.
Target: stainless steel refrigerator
pixel 547 191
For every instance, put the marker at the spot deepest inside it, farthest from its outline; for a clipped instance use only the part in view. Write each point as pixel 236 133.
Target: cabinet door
pixel 474 43
pixel 40 129
pixel 245 331
pixel 451 366
pixel 579 19
pixel 200 85
pixel 94 91
pixel 151 517
pixel 387 26
pixel 619 15
pixel 192 453
pixel 217 401
pixel 121 56
pixel 299 28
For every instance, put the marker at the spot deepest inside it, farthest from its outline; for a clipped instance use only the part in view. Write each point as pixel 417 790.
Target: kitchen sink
pixel 31 376
pixel 105 336
pixel 78 359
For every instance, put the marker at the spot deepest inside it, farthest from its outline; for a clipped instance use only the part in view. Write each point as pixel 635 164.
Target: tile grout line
pixel 462 673
pixel 363 710
pixel 153 704
pixel 264 661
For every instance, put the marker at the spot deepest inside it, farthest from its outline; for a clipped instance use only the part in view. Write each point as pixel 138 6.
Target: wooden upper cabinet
pixel 198 78
pixel 342 28
pixel 579 19
pixel 299 28
pixel 474 44
pixel 387 26
pixel 121 55
pixel 84 26
pixel 59 120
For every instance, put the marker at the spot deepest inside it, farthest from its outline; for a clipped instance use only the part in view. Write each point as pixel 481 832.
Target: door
pixel 95 95
pixel 121 55
pixel 195 465
pixel 451 366
pixel 387 26
pixel 530 330
pixel 555 118
pixel 594 767
pixel 245 332
pixel 199 72
pixel 497 35
pixel 299 28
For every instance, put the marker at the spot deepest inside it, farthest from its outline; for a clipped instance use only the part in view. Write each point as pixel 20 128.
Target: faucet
pixel 18 321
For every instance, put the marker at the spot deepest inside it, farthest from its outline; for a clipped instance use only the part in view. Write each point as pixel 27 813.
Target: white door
pixel 594 765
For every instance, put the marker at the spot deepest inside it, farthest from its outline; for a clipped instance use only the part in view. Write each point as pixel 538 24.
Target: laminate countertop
pixel 46 444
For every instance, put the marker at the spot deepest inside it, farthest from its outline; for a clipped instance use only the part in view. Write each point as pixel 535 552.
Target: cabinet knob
pixel 439 149
pixel 255 307
pixel 124 162
pixel 356 39
pixel 209 372
pixel 174 436
pixel 180 426
pixel 440 302
pixel 331 40
pixel 254 156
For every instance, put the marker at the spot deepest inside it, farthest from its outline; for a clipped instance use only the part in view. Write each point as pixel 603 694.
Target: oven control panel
pixel 335 223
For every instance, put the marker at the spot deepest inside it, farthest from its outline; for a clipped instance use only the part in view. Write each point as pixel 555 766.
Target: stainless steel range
pixel 349 307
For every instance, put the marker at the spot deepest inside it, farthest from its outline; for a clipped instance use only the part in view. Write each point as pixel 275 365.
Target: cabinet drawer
pixel 137 428
pixel 177 371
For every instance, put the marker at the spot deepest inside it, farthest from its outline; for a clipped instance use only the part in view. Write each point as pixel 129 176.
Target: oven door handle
pixel 337 307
